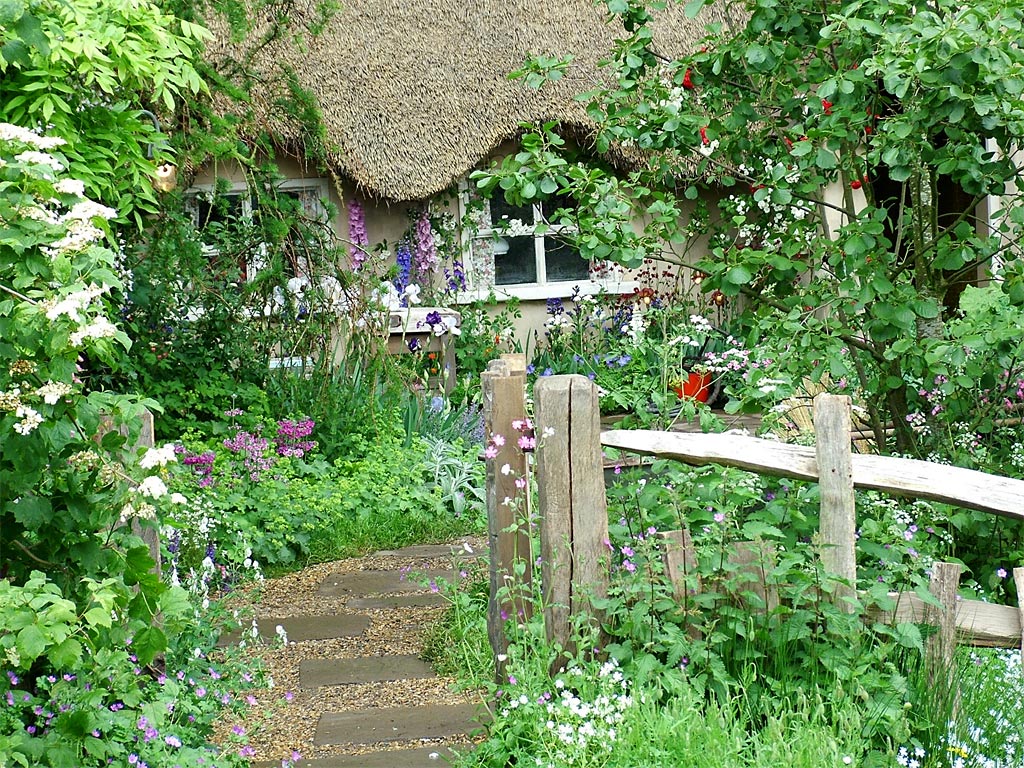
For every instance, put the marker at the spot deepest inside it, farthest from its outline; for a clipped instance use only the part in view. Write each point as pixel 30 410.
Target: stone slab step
pixel 365 669
pixel 415 600
pixel 365 583
pixel 302 628
pixel 373 726
pixel 433 756
pixel 430 551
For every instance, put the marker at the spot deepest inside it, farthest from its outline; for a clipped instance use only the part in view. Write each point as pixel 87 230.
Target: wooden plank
pixel 1018 579
pixel 508 536
pixel 838 522
pixel 986 625
pixel 901 477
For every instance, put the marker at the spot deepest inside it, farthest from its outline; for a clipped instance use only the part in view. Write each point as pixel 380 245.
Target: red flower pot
pixel 696 387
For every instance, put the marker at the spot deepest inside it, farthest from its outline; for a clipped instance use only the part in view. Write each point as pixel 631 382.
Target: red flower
pixel 789 142
pixel 704 136
pixel 687 82
pixel 855 184
pixel 827 106
pixel 718 298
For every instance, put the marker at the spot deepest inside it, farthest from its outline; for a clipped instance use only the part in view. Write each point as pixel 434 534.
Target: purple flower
pixel 357 233
pixel 1001 573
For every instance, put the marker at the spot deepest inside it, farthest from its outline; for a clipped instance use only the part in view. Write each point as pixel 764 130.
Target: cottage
pixel 414 97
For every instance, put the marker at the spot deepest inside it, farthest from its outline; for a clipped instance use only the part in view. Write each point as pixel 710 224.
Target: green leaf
pixel 694 7
pixel 11 11
pixel 738 275
pixel 15 52
pixel 148 643
pixel 30 643
pixel 32 511
pixel 30 30
pixel 825 158
pixel 67 655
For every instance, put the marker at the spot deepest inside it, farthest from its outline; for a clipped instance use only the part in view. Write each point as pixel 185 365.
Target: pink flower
pixel 527 443
pixel 490 452
pixel 498 440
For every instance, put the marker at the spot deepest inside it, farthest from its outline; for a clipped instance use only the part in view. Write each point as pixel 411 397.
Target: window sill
pixel 534 292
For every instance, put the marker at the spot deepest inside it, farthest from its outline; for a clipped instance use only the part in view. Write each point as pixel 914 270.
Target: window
pixel 522 251
pixel 526 251
pixel 221 212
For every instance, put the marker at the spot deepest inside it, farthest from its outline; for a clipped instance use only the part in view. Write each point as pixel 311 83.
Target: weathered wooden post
pixel 838 532
pixel 940 651
pixel 1018 579
pixel 145 439
pixel 573 509
pixel 508 536
pixel 680 561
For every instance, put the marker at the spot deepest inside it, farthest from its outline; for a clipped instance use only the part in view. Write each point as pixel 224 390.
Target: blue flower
pixel 547 372
pixel 531 368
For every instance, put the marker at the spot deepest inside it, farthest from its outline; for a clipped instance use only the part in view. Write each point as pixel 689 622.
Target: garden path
pixel 349 686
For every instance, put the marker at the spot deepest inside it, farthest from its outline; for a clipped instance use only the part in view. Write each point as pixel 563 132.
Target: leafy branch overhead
pixel 840 171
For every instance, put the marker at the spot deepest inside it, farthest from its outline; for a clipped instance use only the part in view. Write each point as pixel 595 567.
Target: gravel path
pixel 285 719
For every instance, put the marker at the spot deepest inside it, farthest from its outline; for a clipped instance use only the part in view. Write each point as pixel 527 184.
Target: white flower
pixel 178 498
pixel 99 328
pixel 30 419
pixel 158 457
pixel 73 304
pixel 52 393
pixel 153 487
pixel 70 187
pixel 506 469
pixel 10 132
pixel 87 210
pixel 412 294
pixel 39 158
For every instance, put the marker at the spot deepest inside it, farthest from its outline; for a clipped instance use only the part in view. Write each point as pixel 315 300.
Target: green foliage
pixel 78 693
pixel 849 159
pixel 87 71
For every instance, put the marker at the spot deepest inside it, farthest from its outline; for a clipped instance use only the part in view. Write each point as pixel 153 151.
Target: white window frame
pixel 480 278
pixel 258 260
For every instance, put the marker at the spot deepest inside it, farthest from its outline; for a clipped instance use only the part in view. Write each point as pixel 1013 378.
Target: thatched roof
pixel 415 92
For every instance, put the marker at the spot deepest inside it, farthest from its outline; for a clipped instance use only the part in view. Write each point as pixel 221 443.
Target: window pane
pixel 551 206
pixel 222 210
pixel 564 262
pixel 519 265
pixel 502 212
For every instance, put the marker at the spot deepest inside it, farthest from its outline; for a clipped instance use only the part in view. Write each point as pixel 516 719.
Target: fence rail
pixel 572 507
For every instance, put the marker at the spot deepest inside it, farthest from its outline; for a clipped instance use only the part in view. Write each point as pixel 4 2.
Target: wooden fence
pixel 572 508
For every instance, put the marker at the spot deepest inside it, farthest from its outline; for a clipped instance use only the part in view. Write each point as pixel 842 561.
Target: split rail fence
pixel 573 521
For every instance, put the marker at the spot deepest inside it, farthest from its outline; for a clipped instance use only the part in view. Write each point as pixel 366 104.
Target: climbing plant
pixel 856 165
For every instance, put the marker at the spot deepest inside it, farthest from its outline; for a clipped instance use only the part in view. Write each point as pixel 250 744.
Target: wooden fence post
pixel 508 536
pixel 835 482
pixel 941 648
pixel 1018 579
pixel 573 507
pixel 680 561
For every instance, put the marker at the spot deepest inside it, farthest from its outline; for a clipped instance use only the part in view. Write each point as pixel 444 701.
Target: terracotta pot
pixel 696 387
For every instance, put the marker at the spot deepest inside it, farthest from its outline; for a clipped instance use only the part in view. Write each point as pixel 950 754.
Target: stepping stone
pixel 302 628
pixel 428 551
pixel 376 582
pixel 433 756
pixel 417 600
pixel 365 669
pixel 373 726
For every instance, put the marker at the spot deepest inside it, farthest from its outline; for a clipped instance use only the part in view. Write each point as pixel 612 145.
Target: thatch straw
pixel 415 92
